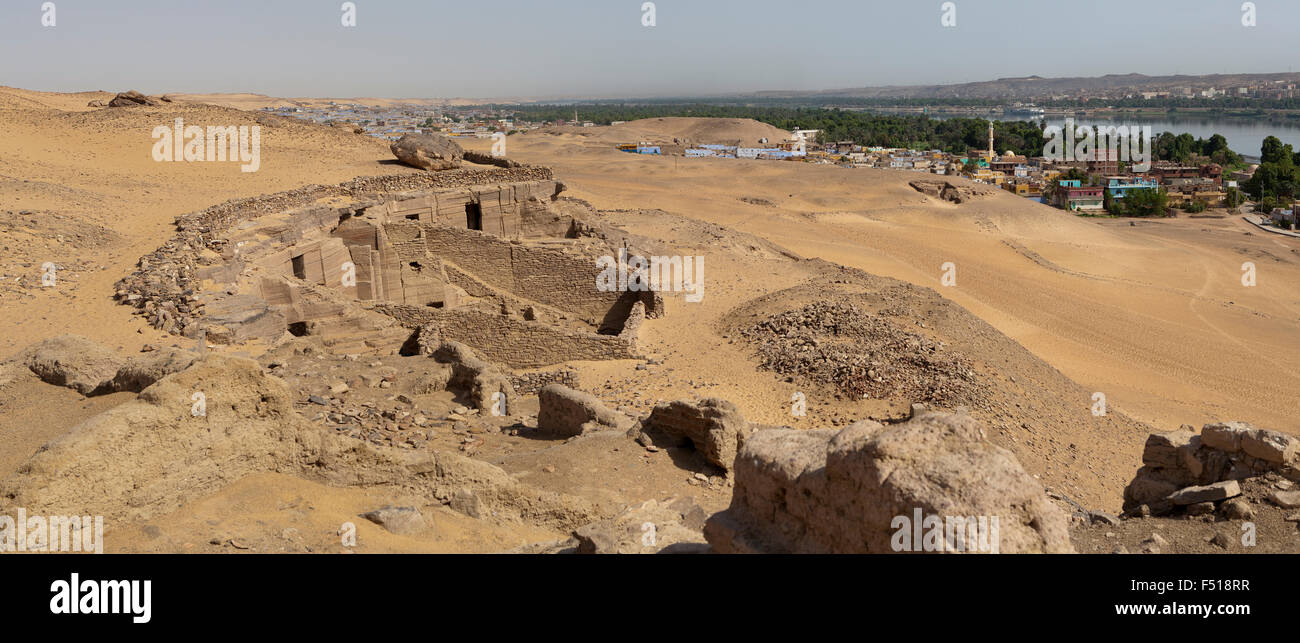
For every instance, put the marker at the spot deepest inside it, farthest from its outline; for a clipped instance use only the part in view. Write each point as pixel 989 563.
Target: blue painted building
pixel 1120 186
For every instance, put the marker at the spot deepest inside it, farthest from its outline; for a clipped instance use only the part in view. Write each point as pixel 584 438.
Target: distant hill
pixel 1031 87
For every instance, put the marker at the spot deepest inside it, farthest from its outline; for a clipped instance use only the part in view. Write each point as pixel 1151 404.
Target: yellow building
pixel 989 176
pixel 1212 198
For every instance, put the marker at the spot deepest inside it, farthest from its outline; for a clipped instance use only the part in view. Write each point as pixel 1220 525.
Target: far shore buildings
pixel 1029 177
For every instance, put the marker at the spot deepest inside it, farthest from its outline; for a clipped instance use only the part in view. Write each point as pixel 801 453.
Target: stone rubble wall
pixel 1222 453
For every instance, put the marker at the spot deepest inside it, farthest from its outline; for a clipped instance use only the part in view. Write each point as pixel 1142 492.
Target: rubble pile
pixel 862 355
pixel 1191 473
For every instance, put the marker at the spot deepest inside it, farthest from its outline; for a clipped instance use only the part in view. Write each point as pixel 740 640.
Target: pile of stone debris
pixel 949 191
pixel 862 355
pixel 1199 474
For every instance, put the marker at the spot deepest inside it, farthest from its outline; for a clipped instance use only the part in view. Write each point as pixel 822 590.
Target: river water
pixel 1245 135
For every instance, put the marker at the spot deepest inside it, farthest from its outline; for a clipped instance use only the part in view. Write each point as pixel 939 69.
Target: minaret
pixel 990 140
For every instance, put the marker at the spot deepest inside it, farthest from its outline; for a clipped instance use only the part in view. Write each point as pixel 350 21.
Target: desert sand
pixel 1050 308
pixel 1153 314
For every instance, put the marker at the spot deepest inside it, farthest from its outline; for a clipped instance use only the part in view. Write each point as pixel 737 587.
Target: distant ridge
pixel 1029 87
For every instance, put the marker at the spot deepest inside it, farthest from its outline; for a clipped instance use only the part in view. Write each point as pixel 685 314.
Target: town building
pixel 1072 195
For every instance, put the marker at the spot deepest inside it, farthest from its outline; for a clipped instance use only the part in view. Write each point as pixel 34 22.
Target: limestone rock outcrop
pixel 132 98
pixel 1183 467
pixel 433 152
pixel 715 427
pixel 565 412
pixel 476 380
pixel 931 484
pixel 91 369
pixel 655 526
pixel 152 455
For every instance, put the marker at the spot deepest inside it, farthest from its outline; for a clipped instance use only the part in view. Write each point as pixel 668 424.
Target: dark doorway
pixel 473 216
pixel 299 267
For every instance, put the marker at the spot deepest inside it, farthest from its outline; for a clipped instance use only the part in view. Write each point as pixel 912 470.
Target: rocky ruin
pixel 416 332
pixel 949 191
pixel 1184 471
pixel 493 259
pixel 827 491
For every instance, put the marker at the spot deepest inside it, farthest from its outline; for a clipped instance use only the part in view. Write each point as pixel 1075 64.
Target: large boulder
pixel 75 362
pixel 131 99
pixel 713 426
pixel 654 526
pixel 932 484
pixel 474 379
pixel 91 369
pixel 431 152
pixel 565 412
pixel 403 521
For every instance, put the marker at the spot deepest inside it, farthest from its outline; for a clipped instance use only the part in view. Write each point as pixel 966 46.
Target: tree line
pixel 956 135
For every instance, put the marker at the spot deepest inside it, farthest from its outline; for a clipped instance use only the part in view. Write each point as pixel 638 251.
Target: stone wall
pixel 171 273
pixel 554 276
pixel 1182 467
pixel 512 210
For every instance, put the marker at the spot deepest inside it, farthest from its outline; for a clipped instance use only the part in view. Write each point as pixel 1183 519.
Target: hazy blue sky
pixel 433 48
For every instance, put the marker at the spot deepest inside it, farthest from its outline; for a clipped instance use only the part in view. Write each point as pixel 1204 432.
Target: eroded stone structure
pixel 1183 468
pixel 494 259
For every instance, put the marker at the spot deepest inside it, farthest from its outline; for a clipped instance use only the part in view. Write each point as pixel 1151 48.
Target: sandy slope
pixel 1154 315
pixel 94 167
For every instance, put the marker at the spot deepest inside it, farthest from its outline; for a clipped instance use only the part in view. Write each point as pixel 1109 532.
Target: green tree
pixel 1234 198
pixel 1142 203
pixel 1272 150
